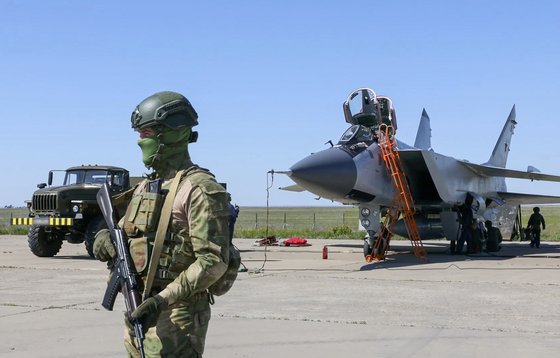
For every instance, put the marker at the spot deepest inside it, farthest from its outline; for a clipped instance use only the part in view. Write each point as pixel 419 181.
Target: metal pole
pixel 313 228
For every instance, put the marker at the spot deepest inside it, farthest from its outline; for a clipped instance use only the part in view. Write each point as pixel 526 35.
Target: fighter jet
pixel 355 172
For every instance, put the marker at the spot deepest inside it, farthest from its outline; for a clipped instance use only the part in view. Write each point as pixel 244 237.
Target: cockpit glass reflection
pixel 356 134
pixel 349 134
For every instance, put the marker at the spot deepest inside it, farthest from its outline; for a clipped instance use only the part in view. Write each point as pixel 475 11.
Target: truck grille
pixel 45 202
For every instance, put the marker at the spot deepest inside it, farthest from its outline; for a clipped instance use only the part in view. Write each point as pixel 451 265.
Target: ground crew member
pixel 466 218
pixel 493 237
pixel 534 224
pixel 195 251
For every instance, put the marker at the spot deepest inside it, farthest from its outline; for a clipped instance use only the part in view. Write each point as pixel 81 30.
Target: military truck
pixel 69 212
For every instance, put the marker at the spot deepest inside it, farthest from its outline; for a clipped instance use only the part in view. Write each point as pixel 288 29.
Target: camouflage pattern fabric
pixel 201 229
pixel 180 331
pixel 195 256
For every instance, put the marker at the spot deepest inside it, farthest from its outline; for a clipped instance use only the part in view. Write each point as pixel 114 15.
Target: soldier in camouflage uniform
pixel 195 251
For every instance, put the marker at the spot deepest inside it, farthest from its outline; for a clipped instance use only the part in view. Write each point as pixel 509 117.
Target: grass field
pixel 307 222
pixel 309 218
pixel 552 218
pixel 6 214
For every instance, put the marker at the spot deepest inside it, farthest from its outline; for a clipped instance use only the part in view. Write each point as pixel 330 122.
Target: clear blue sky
pixel 268 79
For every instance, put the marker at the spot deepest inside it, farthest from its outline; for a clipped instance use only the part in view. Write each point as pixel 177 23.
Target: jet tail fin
pixel 500 153
pixel 424 134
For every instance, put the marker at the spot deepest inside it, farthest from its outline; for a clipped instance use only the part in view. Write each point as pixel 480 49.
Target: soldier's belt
pixel 43 221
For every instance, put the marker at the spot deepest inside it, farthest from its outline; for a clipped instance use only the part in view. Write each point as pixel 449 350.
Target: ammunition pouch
pixel 142 214
pixel 140 224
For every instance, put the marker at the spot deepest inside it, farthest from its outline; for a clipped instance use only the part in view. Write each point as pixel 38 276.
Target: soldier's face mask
pixel 149 147
pixel 160 149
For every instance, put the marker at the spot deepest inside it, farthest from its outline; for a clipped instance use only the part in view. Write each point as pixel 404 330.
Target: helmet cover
pixel 170 109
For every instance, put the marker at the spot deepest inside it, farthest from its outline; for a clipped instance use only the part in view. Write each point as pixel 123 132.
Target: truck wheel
pixel 96 224
pixel 41 243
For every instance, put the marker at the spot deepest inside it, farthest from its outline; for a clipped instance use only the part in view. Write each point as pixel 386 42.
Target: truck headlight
pixel 75 208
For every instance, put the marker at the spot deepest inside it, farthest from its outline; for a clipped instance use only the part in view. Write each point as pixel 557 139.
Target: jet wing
pixel 434 178
pixel 528 199
pixel 485 170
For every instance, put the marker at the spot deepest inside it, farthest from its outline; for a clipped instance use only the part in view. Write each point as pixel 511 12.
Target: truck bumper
pixel 43 221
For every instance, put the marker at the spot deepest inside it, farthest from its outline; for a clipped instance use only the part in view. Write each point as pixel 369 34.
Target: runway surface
pixel 297 304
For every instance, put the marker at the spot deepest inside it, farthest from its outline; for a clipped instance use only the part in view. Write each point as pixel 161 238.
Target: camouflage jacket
pixel 196 250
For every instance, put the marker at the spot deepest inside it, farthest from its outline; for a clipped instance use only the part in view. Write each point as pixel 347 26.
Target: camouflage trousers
pixel 179 332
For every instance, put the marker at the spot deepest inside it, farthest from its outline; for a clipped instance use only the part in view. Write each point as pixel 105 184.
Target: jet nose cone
pixel 330 173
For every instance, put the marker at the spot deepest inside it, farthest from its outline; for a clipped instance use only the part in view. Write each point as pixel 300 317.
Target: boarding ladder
pixel 402 203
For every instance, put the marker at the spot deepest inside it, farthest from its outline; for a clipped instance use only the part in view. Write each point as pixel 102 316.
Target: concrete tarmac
pixel 293 303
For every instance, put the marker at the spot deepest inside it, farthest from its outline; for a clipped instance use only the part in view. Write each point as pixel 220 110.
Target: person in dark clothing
pixel 477 239
pixel 493 237
pixel 466 220
pixel 535 222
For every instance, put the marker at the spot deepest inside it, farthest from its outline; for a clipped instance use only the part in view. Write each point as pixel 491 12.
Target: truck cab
pixel 68 210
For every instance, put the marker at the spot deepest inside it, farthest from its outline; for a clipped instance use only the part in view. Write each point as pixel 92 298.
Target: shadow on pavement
pixel 400 254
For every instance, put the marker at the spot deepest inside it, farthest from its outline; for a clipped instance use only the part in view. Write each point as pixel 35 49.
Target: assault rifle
pixel 123 277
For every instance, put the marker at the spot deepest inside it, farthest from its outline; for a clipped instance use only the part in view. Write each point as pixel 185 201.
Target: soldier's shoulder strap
pixel 163 224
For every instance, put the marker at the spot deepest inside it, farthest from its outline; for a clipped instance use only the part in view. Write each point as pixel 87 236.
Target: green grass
pixel 6 228
pixel 552 219
pixel 312 218
pixel 305 222
pixel 340 222
pixel 339 232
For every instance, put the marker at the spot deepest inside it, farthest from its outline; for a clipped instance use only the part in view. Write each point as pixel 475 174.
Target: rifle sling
pixel 163 224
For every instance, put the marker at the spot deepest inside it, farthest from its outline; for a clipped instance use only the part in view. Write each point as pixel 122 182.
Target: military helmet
pixel 167 108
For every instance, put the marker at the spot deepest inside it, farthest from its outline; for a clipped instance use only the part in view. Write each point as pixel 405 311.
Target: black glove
pixel 148 311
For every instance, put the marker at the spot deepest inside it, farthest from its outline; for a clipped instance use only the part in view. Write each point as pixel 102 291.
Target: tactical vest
pixel 140 225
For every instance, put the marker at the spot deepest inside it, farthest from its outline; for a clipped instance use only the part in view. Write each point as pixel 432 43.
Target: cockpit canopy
pixel 357 134
pixel 363 107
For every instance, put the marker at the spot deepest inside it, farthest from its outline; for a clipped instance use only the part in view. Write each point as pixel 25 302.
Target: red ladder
pixel 402 203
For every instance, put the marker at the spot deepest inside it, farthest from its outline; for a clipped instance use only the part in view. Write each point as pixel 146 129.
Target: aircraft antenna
pixel 267 239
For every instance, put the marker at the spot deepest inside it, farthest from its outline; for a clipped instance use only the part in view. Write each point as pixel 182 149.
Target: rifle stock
pixel 124 277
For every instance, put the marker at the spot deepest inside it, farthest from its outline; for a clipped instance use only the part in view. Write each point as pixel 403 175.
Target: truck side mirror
pixel 41 185
pixel 50 178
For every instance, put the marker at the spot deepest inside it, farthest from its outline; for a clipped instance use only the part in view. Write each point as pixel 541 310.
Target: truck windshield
pixel 92 177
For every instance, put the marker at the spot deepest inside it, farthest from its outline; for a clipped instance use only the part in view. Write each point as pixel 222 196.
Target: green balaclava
pixel 166 151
